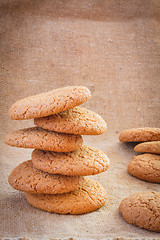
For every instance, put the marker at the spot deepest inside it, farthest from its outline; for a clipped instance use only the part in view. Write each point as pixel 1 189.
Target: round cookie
pixel 49 103
pixel 25 177
pixel 39 138
pixel 76 121
pixel 140 135
pixel 84 161
pixel 142 209
pixel 148 147
pixel 146 167
pixel 87 198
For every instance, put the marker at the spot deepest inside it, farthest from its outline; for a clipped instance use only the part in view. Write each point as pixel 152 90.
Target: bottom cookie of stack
pixel 87 198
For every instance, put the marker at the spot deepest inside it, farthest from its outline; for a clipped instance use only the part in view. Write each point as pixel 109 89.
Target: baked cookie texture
pixel 87 198
pixel 53 180
pixel 84 161
pixel 146 167
pixel 76 121
pixel 142 209
pixel 49 103
pixel 148 147
pixel 40 138
pixel 25 177
pixel 140 135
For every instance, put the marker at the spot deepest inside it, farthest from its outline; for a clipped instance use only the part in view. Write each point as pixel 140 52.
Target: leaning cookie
pixel 87 198
pixel 49 103
pixel 140 135
pixel 148 147
pixel 146 167
pixel 142 209
pixel 82 162
pixel 39 138
pixel 76 121
pixel 25 177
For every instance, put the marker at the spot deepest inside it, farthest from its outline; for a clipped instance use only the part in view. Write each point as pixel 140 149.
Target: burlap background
pixel 112 47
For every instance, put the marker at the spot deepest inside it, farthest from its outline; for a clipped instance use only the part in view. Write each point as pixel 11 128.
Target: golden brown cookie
pixel 142 209
pixel 146 167
pixel 25 177
pixel 140 135
pixel 84 161
pixel 148 147
pixel 87 198
pixel 76 121
pixel 39 138
pixel 49 103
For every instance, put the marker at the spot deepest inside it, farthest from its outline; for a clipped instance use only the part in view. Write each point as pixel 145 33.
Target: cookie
pixel 87 198
pixel 25 177
pixel 84 161
pixel 39 138
pixel 76 121
pixel 142 209
pixel 148 147
pixel 146 167
pixel 140 135
pixel 49 103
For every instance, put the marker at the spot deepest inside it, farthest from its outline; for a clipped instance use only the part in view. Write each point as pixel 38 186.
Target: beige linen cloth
pixel 111 47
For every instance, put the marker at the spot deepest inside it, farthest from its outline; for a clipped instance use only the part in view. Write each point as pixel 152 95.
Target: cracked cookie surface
pixel 25 177
pixel 140 135
pixel 49 103
pixel 87 198
pixel 76 121
pixel 142 209
pixel 38 138
pixel 146 167
pixel 84 161
pixel 149 147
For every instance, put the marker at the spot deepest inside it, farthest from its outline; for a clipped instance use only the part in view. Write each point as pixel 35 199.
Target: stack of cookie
pixel 145 166
pixel 54 179
pixel 143 208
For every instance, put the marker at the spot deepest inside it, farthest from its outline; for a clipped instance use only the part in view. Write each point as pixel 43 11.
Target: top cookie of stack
pixel 49 103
